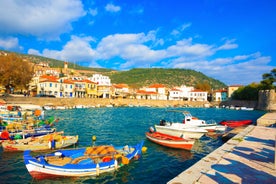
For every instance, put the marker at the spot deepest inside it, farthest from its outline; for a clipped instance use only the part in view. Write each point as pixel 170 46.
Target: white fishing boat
pixel 175 130
pixel 189 127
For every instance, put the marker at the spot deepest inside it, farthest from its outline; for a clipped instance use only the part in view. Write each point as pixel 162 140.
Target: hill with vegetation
pixel 138 77
pixel 170 77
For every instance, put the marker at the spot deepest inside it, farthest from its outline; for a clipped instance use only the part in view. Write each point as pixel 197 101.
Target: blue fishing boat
pixel 90 161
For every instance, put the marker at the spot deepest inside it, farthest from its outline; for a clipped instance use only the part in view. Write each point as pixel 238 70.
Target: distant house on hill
pixel 232 88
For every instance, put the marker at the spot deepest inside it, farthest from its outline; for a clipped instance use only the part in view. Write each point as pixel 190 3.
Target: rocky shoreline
pixel 100 102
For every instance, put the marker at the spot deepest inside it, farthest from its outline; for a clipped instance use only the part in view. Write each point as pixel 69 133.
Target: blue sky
pixel 230 40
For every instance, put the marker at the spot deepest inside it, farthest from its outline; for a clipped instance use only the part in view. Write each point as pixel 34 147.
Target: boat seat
pixel 86 161
pixel 76 155
pixel 54 160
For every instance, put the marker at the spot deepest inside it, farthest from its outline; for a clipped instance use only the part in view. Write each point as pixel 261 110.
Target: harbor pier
pixel 249 157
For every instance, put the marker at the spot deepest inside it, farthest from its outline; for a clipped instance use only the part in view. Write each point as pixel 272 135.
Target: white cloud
pixel 43 18
pixel 228 45
pixel 77 49
pixel 9 43
pixel 180 29
pixel 93 12
pixel 130 47
pixel 112 8
pixel 34 52
pixel 185 47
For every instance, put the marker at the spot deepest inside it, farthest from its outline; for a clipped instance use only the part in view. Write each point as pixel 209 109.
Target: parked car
pixel 44 95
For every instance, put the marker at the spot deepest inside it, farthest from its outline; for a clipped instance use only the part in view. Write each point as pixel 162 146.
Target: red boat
pixel 236 123
pixel 170 141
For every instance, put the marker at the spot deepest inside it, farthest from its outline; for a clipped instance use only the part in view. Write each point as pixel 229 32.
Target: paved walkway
pixel 249 157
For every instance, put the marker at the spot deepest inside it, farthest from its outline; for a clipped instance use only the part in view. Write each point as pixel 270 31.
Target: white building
pixel 180 93
pixel 160 91
pixel 104 85
pixel 100 79
pixel 198 95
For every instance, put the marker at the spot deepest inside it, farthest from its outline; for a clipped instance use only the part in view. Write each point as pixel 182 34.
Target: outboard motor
pixel 151 129
pixel 162 122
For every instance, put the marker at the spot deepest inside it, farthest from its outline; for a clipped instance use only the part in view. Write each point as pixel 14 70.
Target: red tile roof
pixel 156 86
pixel 146 92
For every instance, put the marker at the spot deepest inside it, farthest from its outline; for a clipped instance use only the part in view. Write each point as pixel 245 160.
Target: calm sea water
pixel 121 126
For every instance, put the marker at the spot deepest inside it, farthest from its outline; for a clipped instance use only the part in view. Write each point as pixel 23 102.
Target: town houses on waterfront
pixel 51 82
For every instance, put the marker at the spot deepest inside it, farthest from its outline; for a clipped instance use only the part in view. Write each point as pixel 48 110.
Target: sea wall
pixel 98 102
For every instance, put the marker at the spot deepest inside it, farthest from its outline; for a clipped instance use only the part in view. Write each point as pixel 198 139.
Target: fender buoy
pixel 106 159
pixel 5 135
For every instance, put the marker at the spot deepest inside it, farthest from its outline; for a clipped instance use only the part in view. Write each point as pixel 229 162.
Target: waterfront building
pixel 160 90
pixel 120 90
pixel 103 85
pixel 175 94
pixel 48 85
pixel 66 88
pixel 198 95
pixel 147 95
pixel 80 88
pixel 91 89
pixel 220 95
pixel 180 93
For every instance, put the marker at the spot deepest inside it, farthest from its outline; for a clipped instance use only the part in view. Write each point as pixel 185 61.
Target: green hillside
pixel 170 77
pixel 138 77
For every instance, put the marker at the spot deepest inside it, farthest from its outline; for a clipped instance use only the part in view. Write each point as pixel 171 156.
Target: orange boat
pixel 170 141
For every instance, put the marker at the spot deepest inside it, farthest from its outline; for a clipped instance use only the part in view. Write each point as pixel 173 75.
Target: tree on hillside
pixel 205 86
pixel 269 80
pixel 15 73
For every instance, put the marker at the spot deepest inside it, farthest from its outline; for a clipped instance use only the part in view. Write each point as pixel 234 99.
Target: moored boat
pixel 21 134
pixel 190 126
pixel 170 141
pixel 175 129
pixel 90 161
pixel 41 143
pixel 236 123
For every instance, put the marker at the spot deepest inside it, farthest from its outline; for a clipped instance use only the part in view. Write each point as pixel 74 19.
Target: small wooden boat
pixel 236 123
pixel 41 143
pixel 170 141
pixel 90 161
pixel 20 134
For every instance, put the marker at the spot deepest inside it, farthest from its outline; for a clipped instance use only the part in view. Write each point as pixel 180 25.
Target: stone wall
pixel 267 100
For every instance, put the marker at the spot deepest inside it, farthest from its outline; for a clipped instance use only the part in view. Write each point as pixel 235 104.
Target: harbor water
pixel 127 126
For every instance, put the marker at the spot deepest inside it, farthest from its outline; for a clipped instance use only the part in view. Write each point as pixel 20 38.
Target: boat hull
pixel 36 145
pixel 170 141
pixel 193 133
pixel 236 123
